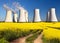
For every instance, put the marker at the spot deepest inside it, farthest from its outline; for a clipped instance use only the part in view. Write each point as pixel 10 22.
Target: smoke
pixel 17 5
pixel 5 6
pixel 8 8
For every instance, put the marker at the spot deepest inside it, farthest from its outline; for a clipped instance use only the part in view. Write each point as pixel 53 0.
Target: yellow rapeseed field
pixel 51 33
pixel 50 30
pixel 21 26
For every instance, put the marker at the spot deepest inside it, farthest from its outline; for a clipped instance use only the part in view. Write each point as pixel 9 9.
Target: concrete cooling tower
pixel 15 17
pixel 22 15
pixel 26 16
pixel 52 15
pixel 8 14
pixel 37 16
pixel 47 18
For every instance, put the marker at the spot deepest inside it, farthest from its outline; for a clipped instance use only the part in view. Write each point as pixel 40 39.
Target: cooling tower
pixel 15 17
pixel 47 17
pixel 8 16
pixel 26 16
pixel 22 15
pixel 53 17
pixel 37 16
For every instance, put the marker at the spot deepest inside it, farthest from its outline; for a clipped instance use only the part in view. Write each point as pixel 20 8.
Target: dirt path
pixel 39 39
pixel 21 40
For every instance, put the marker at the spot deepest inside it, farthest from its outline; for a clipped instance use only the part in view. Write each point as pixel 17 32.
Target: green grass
pixel 53 40
pixel 34 36
pixel 10 35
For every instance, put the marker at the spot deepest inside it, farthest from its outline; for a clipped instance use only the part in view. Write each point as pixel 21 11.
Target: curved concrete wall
pixel 15 17
pixel 22 15
pixel 26 16
pixel 37 16
pixel 53 15
pixel 8 16
pixel 47 17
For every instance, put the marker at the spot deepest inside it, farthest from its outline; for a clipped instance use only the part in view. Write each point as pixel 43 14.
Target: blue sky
pixel 30 5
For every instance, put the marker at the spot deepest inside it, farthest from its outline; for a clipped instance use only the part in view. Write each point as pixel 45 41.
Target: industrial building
pixel 51 16
pixel 37 15
pixel 8 17
pixel 15 17
pixel 23 15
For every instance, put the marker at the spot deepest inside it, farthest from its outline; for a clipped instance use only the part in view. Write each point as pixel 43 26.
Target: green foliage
pixel 34 36
pixel 1 34
pixel 54 41
pixel 51 40
pixel 2 40
pixel 10 35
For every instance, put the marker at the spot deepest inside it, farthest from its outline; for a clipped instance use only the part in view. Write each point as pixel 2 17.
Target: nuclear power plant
pixel 51 16
pixel 37 15
pixel 23 14
pixel 12 16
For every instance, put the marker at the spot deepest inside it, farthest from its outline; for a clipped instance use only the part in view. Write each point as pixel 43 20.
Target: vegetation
pixel 2 40
pixel 12 31
pixel 34 36
pixel 10 35
pixel 53 40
